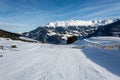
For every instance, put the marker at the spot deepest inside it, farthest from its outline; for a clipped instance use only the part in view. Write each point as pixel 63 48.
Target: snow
pixel 108 59
pixel 99 40
pixel 78 23
pixel 51 33
pixel 36 61
pixel 25 38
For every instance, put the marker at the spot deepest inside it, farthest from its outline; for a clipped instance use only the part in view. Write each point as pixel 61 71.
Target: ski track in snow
pixel 36 61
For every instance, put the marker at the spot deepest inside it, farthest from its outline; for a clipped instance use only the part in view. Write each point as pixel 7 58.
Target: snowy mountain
pixel 59 31
pixel 108 30
pixel 78 23
pixel 37 61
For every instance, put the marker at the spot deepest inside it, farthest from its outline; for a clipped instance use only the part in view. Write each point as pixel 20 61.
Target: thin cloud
pixel 39 12
pixel 12 24
pixel 111 9
pixel 94 11
pixel 14 27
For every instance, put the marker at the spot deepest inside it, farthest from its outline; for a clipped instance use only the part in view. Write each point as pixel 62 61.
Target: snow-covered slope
pixel 78 23
pixel 36 61
pixel 104 51
pixel 28 39
pixel 99 40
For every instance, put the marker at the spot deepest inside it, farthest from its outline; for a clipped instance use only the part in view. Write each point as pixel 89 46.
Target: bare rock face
pixel 72 39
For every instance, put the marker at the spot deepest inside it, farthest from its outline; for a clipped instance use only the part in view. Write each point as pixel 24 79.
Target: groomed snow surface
pixel 37 61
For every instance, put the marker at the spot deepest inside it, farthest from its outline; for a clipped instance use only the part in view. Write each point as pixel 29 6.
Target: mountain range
pixel 58 32
pixel 107 30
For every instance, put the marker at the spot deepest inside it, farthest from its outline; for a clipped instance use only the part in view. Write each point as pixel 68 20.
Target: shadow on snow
pixel 109 59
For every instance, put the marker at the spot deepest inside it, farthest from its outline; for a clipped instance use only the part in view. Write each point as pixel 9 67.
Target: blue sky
pixel 26 15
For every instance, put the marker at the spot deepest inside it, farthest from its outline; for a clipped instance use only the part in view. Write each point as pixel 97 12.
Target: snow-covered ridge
pixel 79 23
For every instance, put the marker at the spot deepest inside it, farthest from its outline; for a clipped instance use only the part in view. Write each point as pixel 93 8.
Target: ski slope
pixel 36 61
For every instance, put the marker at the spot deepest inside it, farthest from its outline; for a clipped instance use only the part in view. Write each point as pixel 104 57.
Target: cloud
pixel 12 24
pixel 14 27
pixel 34 13
pixel 94 10
pixel 110 9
